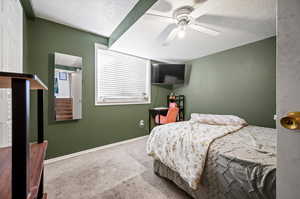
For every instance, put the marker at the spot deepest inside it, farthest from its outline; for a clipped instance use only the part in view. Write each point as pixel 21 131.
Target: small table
pixel 157 111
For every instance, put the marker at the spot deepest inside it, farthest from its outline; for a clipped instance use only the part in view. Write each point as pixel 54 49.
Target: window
pixel 120 78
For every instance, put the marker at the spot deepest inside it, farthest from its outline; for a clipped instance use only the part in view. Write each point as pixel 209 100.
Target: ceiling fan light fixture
pixel 181 22
pixel 181 34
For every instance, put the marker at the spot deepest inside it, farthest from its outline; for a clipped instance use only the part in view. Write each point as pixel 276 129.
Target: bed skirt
pixel 163 171
pixel 221 184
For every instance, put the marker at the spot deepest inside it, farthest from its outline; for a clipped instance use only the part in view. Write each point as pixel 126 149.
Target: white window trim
pixel 103 47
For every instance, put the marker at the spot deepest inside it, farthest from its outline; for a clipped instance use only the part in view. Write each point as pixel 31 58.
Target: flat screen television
pixel 167 73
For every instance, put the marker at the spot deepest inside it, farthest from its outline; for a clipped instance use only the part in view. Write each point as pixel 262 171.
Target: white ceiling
pixel 239 21
pixel 97 16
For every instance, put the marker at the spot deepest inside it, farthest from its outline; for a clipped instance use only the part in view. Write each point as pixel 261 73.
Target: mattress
pixel 241 165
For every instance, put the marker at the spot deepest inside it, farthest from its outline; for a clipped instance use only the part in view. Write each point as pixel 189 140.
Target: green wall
pixel 100 124
pixel 239 81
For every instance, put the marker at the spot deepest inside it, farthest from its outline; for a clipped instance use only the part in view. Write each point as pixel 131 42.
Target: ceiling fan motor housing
pixel 182 15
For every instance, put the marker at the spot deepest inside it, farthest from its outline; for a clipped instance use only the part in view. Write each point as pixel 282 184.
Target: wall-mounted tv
pixel 162 73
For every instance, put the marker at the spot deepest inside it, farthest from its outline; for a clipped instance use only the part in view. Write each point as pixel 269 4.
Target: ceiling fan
pixel 182 20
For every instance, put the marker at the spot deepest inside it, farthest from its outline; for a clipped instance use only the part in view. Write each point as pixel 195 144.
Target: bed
pixel 240 164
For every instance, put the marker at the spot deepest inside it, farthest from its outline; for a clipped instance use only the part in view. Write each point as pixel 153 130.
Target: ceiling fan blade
pixel 162 6
pixel 160 18
pixel 202 7
pixel 165 33
pixel 172 35
pixel 236 22
pixel 203 29
pixel 198 3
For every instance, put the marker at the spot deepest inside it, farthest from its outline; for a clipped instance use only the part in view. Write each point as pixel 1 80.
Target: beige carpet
pixel 120 172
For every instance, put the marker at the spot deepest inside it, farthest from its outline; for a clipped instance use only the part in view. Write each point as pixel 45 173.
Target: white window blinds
pixel 121 79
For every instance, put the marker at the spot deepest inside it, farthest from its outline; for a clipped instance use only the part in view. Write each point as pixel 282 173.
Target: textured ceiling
pixel 239 22
pixel 97 16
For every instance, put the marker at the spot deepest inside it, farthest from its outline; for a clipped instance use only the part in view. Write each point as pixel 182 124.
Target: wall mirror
pixel 67 87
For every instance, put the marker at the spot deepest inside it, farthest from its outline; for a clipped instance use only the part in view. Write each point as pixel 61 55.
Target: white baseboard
pixel 72 155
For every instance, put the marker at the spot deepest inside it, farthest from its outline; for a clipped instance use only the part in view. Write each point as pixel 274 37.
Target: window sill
pixel 121 103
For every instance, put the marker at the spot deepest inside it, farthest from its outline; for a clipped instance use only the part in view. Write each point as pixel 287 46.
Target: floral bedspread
pixel 183 146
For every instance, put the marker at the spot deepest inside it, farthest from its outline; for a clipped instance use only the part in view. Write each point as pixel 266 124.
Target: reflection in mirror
pixel 67 87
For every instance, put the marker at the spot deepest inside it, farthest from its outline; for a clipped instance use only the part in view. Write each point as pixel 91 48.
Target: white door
pixel 288 98
pixel 11 58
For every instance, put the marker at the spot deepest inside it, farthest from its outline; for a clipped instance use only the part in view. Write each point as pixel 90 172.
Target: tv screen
pixel 167 73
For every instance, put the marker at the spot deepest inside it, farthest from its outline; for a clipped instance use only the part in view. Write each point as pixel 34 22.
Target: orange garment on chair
pixel 170 117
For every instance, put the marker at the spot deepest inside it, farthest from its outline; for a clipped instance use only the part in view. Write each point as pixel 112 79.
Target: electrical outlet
pixel 141 123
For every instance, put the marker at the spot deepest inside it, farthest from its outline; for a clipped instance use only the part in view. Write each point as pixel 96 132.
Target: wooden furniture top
pixel 37 156
pixel 35 82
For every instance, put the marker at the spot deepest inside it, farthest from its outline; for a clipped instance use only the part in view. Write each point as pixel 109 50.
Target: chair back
pixel 173 104
pixel 172 114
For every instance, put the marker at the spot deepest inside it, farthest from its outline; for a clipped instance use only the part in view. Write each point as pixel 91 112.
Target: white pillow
pixel 218 119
